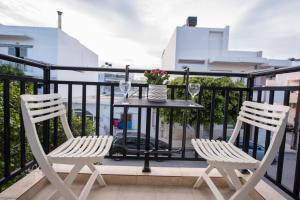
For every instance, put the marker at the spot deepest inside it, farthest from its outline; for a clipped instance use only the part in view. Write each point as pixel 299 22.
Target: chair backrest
pixel 261 115
pixel 38 108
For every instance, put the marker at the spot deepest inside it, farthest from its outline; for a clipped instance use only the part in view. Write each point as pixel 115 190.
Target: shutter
pixel 23 52
pixel 12 51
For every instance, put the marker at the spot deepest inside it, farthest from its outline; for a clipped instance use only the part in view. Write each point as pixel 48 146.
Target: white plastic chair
pixel 77 151
pixel 226 157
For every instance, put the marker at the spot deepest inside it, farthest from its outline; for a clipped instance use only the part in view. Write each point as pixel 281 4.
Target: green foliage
pixel 9 70
pixel 206 101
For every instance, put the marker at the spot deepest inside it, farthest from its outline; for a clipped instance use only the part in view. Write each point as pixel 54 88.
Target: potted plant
pixel 157 90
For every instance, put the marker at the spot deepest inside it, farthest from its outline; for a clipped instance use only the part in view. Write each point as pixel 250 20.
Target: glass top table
pixel 144 103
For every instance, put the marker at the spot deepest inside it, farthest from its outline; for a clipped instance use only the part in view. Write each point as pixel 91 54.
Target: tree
pixel 206 101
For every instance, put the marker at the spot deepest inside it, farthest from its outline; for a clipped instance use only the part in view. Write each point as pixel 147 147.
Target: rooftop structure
pixel 206 49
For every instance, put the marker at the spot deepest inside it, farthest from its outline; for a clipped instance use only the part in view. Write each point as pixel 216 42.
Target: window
pixel 18 51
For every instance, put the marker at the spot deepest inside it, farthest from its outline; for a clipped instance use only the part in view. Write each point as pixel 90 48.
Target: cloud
pixel 271 26
pixel 135 31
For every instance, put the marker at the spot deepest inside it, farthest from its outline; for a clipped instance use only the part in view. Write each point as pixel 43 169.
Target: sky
pixel 135 32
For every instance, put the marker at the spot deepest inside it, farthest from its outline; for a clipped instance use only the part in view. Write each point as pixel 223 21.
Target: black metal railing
pixel 49 131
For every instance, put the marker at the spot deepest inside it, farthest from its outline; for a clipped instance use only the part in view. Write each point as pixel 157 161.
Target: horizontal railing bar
pixel 278 88
pixel 102 69
pixel 172 72
pixel 85 83
pixel 15 59
pixel 142 85
pixel 19 78
pixel 276 71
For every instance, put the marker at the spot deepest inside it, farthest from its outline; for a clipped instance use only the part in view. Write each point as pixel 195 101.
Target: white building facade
pixel 49 45
pixel 206 49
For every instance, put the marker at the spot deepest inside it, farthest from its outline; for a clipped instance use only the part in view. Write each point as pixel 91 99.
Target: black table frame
pixel 144 103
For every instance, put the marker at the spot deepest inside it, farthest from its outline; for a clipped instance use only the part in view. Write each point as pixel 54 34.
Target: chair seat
pixel 222 154
pixel 81 149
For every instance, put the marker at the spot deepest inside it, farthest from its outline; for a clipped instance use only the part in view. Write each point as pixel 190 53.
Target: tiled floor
pixel 126 183
pixel 140 192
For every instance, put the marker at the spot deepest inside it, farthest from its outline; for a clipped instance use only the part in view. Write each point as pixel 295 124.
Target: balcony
pixel 172 178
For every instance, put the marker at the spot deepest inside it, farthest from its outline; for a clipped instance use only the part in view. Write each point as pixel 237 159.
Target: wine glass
pixel 125 87
pixel 194 89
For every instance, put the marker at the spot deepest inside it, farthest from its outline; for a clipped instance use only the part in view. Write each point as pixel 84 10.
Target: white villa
pixel 206 49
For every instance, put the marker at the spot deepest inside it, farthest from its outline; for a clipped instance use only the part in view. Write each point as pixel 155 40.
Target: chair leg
pixel 228 180
pixel 234 178
pixel 100 179
pixel 200 179
pixel 213 187
pixel 68 180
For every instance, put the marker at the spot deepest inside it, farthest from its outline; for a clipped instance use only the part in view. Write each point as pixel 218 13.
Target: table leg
pixel 147 142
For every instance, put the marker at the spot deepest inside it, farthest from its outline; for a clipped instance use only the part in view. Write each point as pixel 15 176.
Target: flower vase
pixel 157 93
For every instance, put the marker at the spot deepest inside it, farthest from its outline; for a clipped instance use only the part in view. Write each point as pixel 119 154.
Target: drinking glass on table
pixel 125 87
pixel 194 89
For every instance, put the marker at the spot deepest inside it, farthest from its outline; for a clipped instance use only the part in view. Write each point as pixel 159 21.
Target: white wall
pixel 192 44
pixel 206 49
pixel 43 40
pixel 169 55
pixel 72 53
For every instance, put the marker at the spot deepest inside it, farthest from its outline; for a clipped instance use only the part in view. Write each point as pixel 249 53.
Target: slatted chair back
pixel 264 116
pixel 38 108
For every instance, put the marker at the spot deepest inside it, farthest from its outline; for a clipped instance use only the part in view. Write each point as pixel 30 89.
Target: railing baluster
pixel 282 146
pixel 125 114
pixel 55 123
pixel 225 114
pixel 46 123
pixel 184 115
pixel 198 117
pixel 124 123
pixel 296 188
pixel 268 133
pixel 212 114
pixel 83 110
pixel 70 102
pixel 240 102
pixel 35 88
pixel 256 129
pixel 22 130
pixel 111 119
pixel 171 123
pixel 98 106
pixel 6 130
pixel 156 130
pixel 247 127
pixel 139 123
